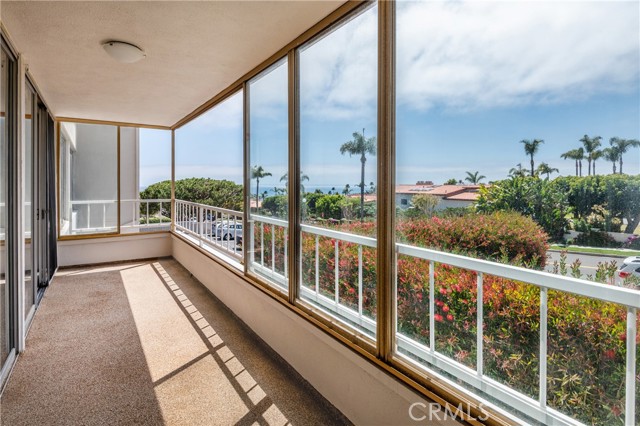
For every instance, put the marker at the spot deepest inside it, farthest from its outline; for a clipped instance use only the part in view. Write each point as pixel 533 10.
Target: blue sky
pixel 155 156
pixel 473 79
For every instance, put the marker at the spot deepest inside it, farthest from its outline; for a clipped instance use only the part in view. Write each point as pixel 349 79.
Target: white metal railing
pixel 544 281
pixel 212 227
pixel 145 214
pixel 475 378
pixel 86 207
pixel 136 214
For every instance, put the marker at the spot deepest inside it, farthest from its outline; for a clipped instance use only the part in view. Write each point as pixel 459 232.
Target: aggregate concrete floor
pixel 145 343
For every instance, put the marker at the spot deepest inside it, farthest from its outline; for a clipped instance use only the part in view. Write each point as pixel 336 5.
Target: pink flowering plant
pixel 586 338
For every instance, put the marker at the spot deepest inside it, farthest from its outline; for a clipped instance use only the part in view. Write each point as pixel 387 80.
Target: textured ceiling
pixel 194 50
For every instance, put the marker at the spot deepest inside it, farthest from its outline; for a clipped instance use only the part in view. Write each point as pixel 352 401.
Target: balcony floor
pixel 144 343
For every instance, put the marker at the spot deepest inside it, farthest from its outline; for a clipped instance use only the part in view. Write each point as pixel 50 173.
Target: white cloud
pixel 338 72
pixel 477 54
pixel 225 115
pixel 269 93
pixel 232 173
pixel 465 55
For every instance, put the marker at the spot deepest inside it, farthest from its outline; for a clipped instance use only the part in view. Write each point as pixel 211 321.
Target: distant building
pixel 451 196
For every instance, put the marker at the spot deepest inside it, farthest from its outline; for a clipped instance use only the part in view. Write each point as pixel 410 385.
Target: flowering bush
pixel 586 338
pixel 504 236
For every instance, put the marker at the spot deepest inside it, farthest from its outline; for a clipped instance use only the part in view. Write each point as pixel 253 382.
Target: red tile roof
pixel 464 196
pixel 413 189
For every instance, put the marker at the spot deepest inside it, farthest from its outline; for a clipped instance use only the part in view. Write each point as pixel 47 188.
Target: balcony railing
pixel 197 219
pixel 89 216
pixel 145 214
pixel 212 227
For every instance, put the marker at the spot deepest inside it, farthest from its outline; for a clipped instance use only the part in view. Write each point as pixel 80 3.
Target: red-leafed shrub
pixel 503 236
pixel 586 337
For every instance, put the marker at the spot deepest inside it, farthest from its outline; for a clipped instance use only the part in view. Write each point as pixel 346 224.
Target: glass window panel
pixel 209 178
pixel 88 179
pixel 514 147
pixel 268 157
pixel 4 203
pixel 29 275
pixel 338 98
pixel 145 180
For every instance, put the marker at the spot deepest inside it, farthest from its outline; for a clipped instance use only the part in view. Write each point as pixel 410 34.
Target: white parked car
pixel 229 231
pixel 630 267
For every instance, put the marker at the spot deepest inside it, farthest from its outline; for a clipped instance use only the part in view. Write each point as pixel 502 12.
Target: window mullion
pixel 386 260
pixel 294 177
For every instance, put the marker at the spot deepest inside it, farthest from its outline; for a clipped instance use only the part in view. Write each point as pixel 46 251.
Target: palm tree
pixel 474 178
pixel 285 178
pixel 257 173
pixel 545 169
pixel 590 146
pixel 623 145
pixel 594 156
pixel 531 148
pixel 360 146
pixel 517 171
pixel 612 154
pixel 347 189
pixel 578 156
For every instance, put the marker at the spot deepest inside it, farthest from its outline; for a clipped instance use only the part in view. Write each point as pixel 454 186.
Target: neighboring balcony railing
pixel 212 227
pixel 268 257
pixel 89 216
pixel 145 215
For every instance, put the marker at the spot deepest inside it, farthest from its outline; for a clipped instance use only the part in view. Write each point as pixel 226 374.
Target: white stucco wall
pixel 114 249
pixel 129 160
pixel 94 173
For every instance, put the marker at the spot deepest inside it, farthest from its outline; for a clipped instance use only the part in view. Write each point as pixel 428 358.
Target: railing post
pixel 262 243
pixel 286 254
pixel 160 211
pixel 104 215
pixel 273 249
pixel 542 397
pixel 360 283
pixel 630 385
pixel 88 215
pixel 317 265
pixel 147 221
pixel 252 242
pixel 479 326
pixel 337 271
pixel 432 306
pixel 200 224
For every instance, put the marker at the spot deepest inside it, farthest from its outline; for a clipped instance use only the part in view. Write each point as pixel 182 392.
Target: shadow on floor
pixel 144 343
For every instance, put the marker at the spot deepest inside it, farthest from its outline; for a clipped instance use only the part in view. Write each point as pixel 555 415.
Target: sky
pixel 473 79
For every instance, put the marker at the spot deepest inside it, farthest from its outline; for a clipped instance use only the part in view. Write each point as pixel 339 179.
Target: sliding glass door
pixel 7 213
pixel 30 276
pixel 38 208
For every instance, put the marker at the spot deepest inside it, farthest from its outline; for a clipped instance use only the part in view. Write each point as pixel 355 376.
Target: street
pixel 589 262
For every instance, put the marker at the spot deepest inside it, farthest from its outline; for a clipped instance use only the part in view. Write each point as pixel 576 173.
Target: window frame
pixel 380 352
pixel 58 143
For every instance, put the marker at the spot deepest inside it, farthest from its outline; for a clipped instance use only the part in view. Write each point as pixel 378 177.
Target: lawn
pixel 595 250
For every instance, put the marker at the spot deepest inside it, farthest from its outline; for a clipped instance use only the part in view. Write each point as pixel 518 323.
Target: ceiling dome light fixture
pixel 124 52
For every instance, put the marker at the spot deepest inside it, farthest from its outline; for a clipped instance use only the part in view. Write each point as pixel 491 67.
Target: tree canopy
pixel 212 192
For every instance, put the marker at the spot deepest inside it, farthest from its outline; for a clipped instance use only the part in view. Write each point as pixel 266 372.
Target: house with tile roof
pixel 450 196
